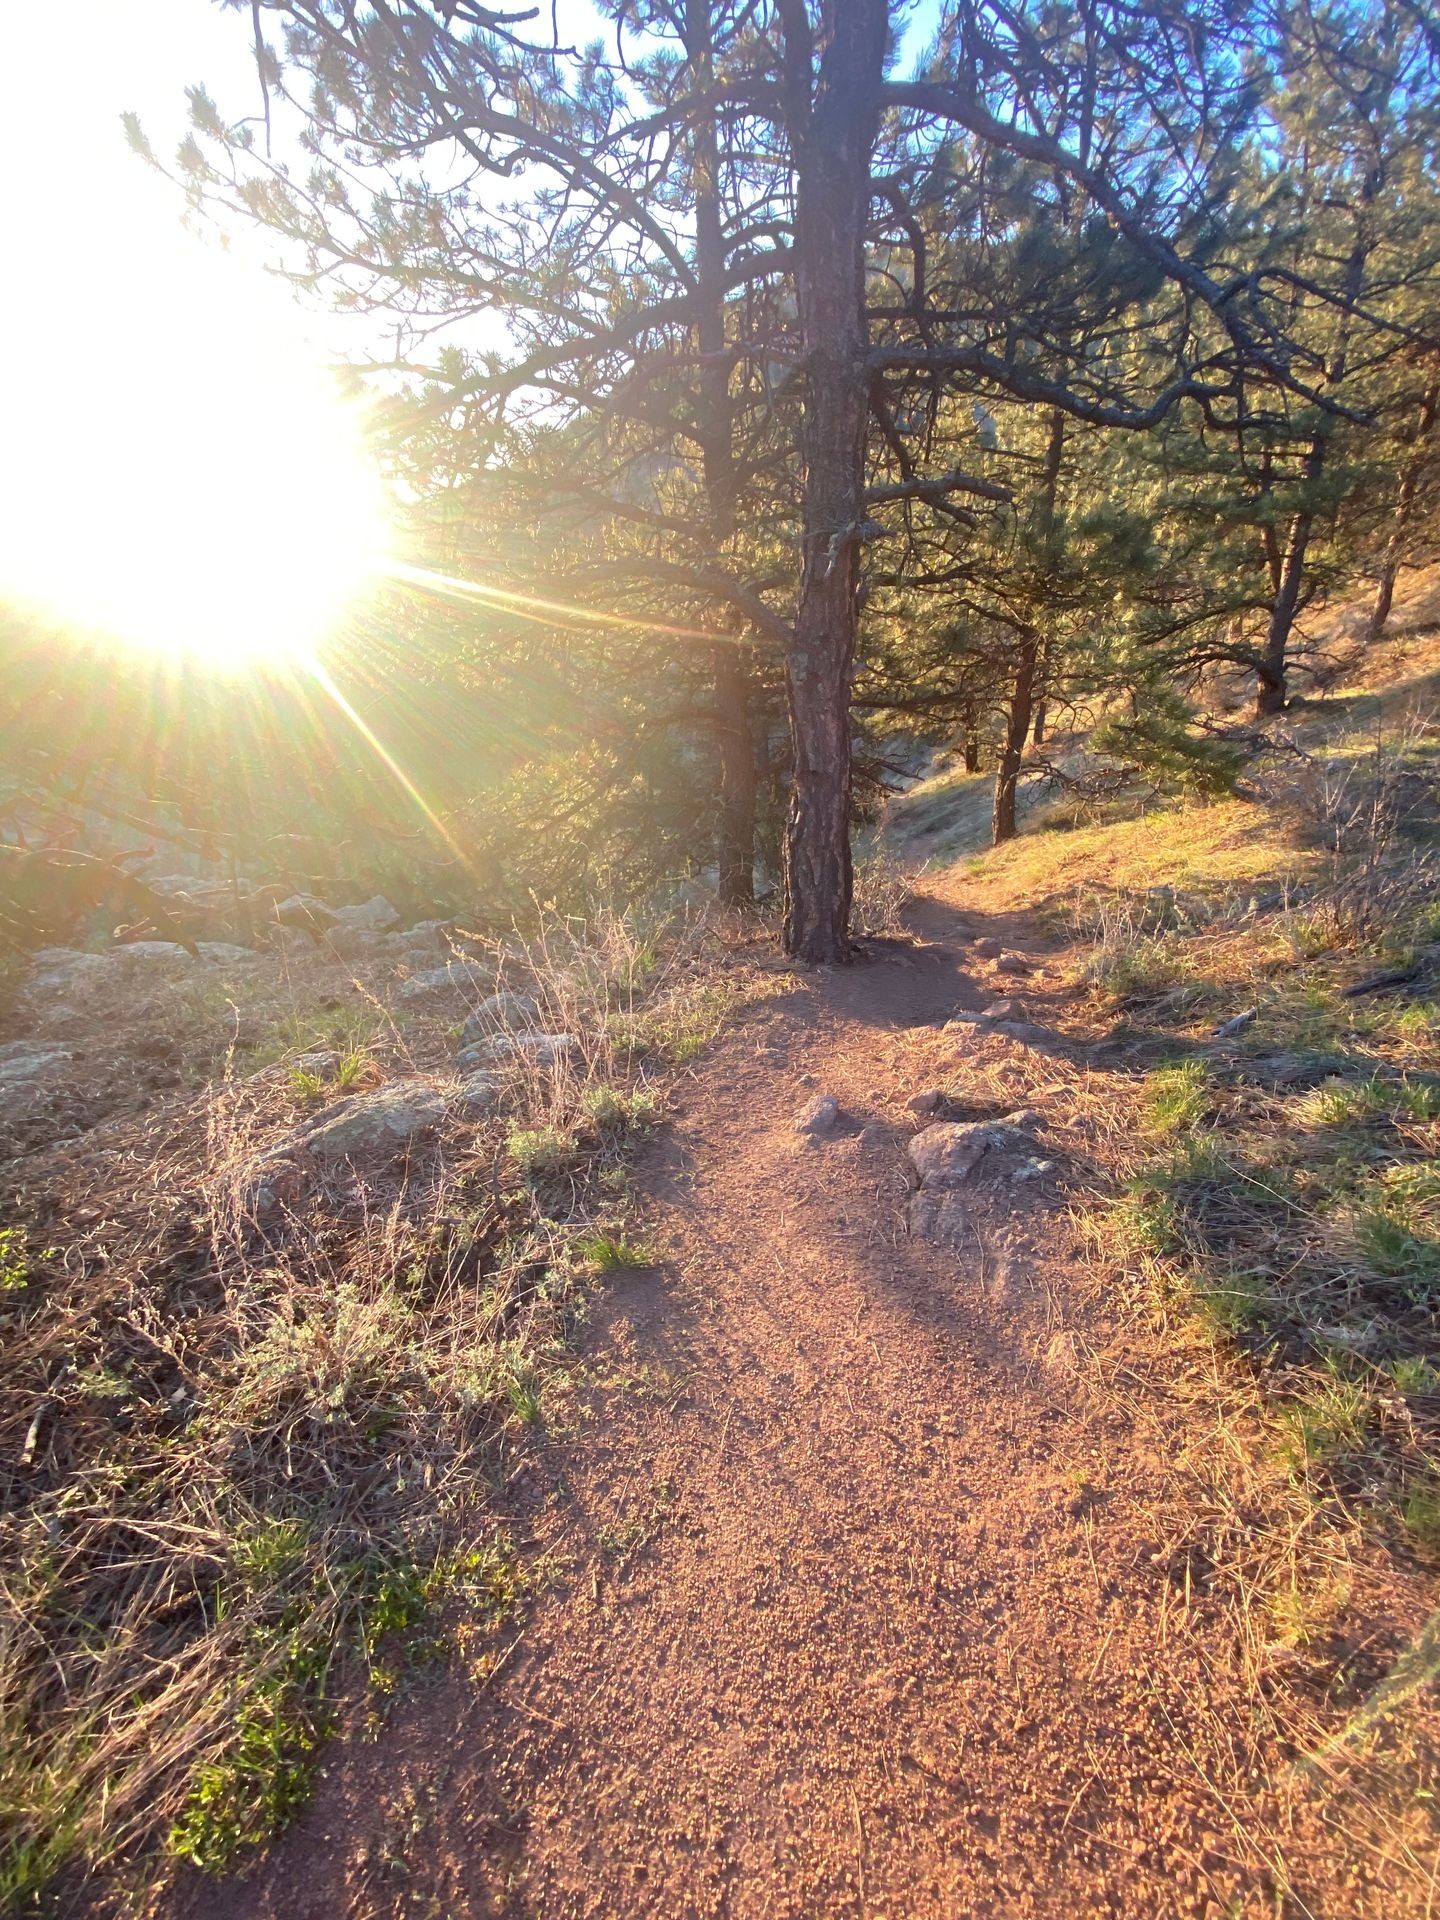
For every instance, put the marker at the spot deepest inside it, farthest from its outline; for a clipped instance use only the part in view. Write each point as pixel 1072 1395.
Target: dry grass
pixel 243 1450
pixel 1263 1226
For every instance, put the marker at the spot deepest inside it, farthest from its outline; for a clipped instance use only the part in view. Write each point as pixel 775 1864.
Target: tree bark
pixel 1023 707
pixel 1037 732
pixel 1272 668
pixel 971 726
pixel 833 134
pixel 1404 512
pixel 1017 728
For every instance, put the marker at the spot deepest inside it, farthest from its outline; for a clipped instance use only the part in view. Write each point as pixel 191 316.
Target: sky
pixel 166 402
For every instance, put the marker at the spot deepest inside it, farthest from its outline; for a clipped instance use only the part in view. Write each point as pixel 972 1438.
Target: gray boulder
pixel 538 1049
pixel 371 916
pixel 477 1095
pixel 352 943
pixel 951 1153
pixel 455 976
pixel 375 1124
pixel 28 1071
pixel 65 970
pixel 499 1012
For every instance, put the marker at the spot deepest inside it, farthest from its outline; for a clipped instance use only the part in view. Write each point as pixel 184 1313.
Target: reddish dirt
pixel 863 1608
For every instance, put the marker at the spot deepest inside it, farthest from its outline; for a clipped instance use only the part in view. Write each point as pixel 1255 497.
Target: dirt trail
pixel 863 1612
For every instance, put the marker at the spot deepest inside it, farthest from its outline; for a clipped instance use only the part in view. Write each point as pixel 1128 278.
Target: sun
pixel 209 499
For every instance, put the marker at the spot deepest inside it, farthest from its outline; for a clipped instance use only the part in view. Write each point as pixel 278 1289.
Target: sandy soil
pixel 864 1607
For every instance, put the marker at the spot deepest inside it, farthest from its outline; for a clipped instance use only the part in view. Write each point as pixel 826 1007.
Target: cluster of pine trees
pixel 773 378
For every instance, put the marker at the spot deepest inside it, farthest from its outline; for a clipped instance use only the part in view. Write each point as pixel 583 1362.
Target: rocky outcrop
pixel 375 915
pixel 373 1125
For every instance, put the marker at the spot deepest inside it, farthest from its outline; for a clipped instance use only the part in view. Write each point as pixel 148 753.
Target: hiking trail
pixel 864 1608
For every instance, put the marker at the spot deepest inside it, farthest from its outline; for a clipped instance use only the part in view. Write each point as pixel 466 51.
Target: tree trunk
pixel 1404 510
pixel 1037 732
pixel 833 138
pixel 1017 728
pixel 735 822
pixel 1272 668
pixel 971 727
pixel 1024 707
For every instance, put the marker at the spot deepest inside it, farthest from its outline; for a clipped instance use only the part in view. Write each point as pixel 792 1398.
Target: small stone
pixel 272 1181
pixel 478 1094
pixel 323 1062
pixel 931 1101
pixel 819 1116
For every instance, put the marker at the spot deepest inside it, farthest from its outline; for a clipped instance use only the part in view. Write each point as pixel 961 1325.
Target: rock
pixel 1002 1010
pixel 164 957
pixel 538 1049
pixel 221 954
pixel 374 1123
pixel 431 935
pixel 931 1101
pixel 1033 1169
pixel 323 1062
pixel 274 1180
pixel 948 1155
pixel 1237 1024
pixel 27 1059
pixel 477 1095
pixel 1012 963
pixel 1025 1032
pixel 352 943
pixel 27 1071
pixel 499 1012
pixel 62 970
pixel 939 1216
pixel 819 1115
pixel 372 916
pixel 988 948
pixel 453 976
pixel 304 911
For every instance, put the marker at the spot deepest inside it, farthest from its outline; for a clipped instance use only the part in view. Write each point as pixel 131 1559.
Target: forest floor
pixel 873 1580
